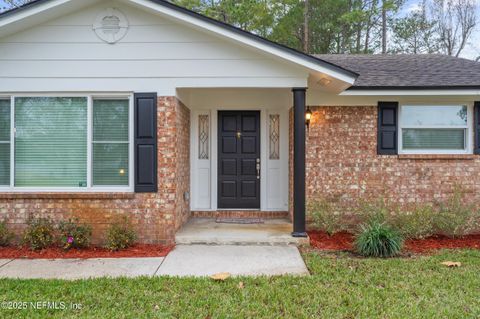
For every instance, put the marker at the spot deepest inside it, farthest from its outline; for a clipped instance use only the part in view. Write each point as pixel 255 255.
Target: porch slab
pixel 207 260
pixel 80 268
pixel 207 232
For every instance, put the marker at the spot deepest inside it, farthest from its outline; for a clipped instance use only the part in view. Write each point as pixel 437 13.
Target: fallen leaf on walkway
pixel 451 264
pixel 241 285
pixel 221 276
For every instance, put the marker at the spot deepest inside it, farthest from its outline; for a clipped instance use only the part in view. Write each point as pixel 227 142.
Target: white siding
pixel 156 54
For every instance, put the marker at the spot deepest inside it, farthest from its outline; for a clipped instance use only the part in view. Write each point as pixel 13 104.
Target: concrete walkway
pixel 194 260
pixel 79 268
pixel 204 260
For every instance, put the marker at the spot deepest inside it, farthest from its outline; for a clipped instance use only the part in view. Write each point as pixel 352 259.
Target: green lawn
pixel 340 287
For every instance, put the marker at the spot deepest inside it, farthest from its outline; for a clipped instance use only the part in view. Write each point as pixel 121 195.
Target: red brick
pixel 155 216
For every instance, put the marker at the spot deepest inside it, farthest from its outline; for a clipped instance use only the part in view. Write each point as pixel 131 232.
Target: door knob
pixel 239 134
pixel 258 168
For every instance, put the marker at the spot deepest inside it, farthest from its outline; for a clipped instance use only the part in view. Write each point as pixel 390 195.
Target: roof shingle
pixel 408 71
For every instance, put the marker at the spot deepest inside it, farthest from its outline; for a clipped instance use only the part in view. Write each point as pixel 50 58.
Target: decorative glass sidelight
pixel 274 130
pixel 203 136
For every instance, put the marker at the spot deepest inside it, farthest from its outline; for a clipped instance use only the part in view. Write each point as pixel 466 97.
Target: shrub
pixel 326 216
pixel 6 235
pixel 374 211
pixel 120 235
pixel 416 223
pixel 39 234
pixel 455 218
pixel 378 240
pixel 74 235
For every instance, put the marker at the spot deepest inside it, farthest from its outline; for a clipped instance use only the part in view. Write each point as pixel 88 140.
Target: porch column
pixel 299 162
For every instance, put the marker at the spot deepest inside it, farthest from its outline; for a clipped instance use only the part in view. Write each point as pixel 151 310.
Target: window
pixel 431 129
pixel 110 142
pixel 203 129
pixel 50 142
pixel 4 142
pixel 274 130
pixel 65 143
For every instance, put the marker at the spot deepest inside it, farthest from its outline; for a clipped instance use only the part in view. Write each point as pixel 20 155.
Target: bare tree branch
pixel 455 21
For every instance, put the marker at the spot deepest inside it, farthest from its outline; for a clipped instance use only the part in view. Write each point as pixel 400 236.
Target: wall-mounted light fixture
pixel 308 117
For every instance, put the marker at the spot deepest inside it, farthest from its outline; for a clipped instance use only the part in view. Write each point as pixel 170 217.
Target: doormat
pixel 240 221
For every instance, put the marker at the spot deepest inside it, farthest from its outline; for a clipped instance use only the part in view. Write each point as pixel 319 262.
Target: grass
pixel 341 286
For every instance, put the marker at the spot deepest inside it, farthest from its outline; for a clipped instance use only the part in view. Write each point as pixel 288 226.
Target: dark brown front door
pixel 239 159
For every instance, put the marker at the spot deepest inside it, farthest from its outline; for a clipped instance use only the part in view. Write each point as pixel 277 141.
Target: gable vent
pixel 111 25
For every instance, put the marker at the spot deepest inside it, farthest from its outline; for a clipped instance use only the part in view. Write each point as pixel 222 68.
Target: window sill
pixel 456 157
pixel 46 195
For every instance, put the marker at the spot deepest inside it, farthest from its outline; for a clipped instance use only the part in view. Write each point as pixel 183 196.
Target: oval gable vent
pixel 111 25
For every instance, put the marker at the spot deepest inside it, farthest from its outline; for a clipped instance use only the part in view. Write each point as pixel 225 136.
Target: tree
pixel 389 7
pixel 455 21
pixel 346 26
pixel 250 15
pixel 306 16
pixel 415 33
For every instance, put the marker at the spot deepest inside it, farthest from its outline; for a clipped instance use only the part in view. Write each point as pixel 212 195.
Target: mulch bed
pixel 139 250
pixel 338 241
pixel 442 242
pixel 344 241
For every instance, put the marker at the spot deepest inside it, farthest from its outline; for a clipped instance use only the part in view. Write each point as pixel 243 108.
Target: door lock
pixel 239 134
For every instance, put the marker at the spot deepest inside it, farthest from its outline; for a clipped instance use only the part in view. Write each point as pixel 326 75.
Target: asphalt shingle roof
pixel 408 71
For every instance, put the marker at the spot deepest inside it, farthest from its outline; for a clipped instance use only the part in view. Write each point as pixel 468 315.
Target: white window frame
pixel 468 135
pixel 90 188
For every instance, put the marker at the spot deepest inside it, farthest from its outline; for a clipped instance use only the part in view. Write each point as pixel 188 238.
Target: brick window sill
pixel 451 157
pixel 67 195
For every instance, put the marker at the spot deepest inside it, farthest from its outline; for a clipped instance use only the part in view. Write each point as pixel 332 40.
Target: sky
pixel 471 51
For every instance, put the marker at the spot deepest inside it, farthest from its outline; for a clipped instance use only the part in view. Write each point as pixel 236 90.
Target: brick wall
pixel 182 165
pixel 342 161
pixel 155 216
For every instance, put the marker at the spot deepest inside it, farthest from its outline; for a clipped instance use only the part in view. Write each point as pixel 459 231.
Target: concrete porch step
pixel 205 231
pixel 240 214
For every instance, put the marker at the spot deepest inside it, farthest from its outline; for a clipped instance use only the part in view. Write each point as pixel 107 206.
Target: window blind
pixel 51 141
pixel 4 142
pixel 450 139
pixel 110 142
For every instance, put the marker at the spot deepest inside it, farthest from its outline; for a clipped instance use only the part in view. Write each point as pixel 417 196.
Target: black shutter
pixel 387 128
pixel 146 143
pixel 476 127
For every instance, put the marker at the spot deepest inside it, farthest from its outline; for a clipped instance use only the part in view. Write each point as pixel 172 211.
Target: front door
pixel 239 159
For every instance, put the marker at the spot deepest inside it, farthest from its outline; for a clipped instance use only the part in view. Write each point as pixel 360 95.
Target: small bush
pixel 326 216
pixel 416 223
pixel 378 240
pixel 6 235
pixel 455 218
pixel 120 235
pixel 74 235
pixel 374 211
pixel 39 234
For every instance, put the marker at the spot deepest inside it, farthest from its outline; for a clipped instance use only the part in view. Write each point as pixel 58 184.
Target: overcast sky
pixel 471 51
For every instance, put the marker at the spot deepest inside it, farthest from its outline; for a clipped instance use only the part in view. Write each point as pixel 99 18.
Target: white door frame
pixel 211 186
